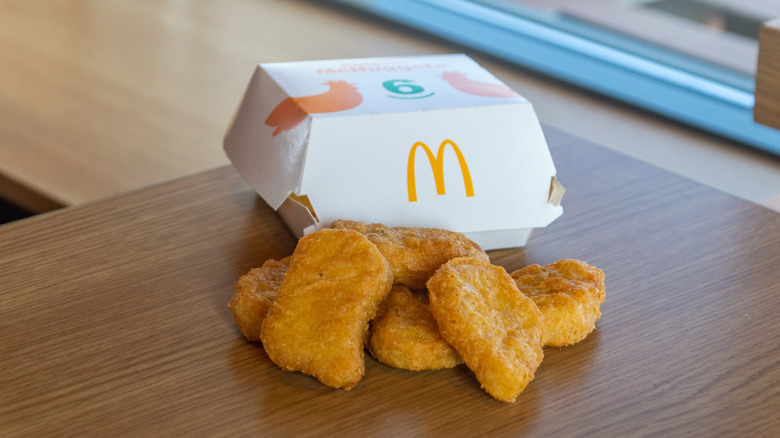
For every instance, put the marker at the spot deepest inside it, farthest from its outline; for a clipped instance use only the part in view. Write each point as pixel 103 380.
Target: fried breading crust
pixel 497 330
pixel 415 253
pixel 405 335
pixel 255 291
pixel 569 293
pixel 319 321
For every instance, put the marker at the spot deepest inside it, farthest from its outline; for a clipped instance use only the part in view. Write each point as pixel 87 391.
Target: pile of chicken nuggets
pixel 417 299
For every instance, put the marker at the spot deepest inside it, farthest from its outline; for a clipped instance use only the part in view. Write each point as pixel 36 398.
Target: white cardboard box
pixel 430 141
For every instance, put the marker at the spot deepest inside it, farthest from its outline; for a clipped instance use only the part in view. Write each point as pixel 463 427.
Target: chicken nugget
pixel 415 253
pixel 405 335
pixel 569 293
pixel 319 321
pixel 255 291
pixel 497 330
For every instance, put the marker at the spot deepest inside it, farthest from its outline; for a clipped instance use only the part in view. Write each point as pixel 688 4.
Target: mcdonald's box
pixel 431 141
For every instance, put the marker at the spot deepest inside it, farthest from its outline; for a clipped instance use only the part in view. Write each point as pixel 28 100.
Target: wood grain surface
pixel 767 107
pixel 113 320
pixel 99 97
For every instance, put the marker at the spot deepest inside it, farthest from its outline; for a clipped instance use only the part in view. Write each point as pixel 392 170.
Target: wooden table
pixel 99 97
pixel 113 320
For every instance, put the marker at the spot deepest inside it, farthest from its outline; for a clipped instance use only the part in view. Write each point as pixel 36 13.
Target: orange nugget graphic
pixel 292 110
pixel 460 82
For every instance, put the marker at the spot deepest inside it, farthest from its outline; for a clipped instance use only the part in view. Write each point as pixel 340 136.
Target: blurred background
pixel 98 97
pixel 691 60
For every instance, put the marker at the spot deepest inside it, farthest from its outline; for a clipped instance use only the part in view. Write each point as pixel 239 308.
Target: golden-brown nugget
pixel 415 253
pixel 255 291
pixel 569 293
pixel 318 323
pixel 497 330
pixel 405 335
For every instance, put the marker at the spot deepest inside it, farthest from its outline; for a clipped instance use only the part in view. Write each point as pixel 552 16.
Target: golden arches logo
pixel 437 166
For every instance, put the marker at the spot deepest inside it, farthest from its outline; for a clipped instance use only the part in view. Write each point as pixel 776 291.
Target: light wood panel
pixel 113 320
pixel 767 107
pixel 100 97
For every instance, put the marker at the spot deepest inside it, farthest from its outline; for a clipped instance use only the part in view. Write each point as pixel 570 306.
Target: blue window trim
pixel 721 107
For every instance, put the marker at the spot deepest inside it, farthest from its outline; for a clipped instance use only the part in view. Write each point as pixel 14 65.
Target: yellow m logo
pixel 437 165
